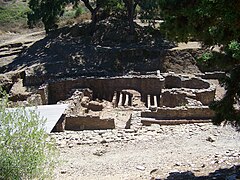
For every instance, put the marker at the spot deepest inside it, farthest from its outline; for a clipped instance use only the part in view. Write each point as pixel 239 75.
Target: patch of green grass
pixel 13 13
pixel 80 10
pixel 13 16
pixel 73 15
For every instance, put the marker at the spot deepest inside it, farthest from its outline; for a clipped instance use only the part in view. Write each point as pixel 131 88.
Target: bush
pixel 26 151
pixel 79 11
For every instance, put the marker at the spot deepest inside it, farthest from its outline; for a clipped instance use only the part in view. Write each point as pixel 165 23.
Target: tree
pixel 131 6
pixel 49 11
pixel 106 5
pixel 212 22
pixel 149 10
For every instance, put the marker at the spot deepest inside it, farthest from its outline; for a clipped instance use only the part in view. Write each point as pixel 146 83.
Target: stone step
pixel 10 53
pixel 191 112
pixel 149 121
pixel 14 48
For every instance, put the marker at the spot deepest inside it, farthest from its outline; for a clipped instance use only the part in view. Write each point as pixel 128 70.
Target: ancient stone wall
pixel 43 91
pixel 180 113
pixel 88 122
pixel 212 75
pixel 166 96
pixel 179 96
pixel 173 80
pixel 170 90
pixel 206 96
pixel 104 88
pixel 179 89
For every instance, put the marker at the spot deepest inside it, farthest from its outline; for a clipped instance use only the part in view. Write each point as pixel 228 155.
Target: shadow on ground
pixel 72 51
pixel 110 51
pixel 232 173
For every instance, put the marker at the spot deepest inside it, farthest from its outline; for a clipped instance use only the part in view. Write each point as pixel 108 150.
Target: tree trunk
pixel 131 18
pixel 94 12
pixel 130 10
pixel 94 19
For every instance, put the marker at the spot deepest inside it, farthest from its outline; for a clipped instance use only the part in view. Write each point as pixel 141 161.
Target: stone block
pixel 95 106
pixel 173 97
pixel 206 96
pixel 43 91
pixel 195 83
pixel 181 113
pixel 173 81
pixel 88 123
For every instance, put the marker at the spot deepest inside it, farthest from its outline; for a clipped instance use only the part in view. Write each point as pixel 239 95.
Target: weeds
pixel 13 14
pixel 26 151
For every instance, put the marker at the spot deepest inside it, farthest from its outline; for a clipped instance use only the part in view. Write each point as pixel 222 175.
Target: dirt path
pixel 10 38
pixel 199 148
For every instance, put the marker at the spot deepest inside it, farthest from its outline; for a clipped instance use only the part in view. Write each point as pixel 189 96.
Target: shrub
pixel 79 11
pixel 26 151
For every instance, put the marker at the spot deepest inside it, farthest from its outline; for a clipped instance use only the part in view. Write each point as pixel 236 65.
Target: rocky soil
pixel 193 151
pixel 13 44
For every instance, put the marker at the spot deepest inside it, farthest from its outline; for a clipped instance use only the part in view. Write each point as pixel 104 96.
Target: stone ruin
pixel 108 102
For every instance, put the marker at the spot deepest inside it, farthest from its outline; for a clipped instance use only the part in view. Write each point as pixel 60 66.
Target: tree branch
pixel 87 4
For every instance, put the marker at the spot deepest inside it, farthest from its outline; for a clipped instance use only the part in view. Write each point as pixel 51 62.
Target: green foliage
pixel 206 57
pixel 79 11
pixel 215 61
pixel 114 7
pixel 149 9
pixel 212 22
pixel 49 11
pixel 226 108
pixel 26 151
pixel 234 49
pixel 13 13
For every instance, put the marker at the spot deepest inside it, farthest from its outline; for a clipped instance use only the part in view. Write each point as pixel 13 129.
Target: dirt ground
pixel 190 151
pixel 152 152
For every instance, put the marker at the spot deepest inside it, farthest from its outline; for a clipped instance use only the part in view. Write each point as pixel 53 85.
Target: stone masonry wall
pixel 105 87
pixel 88 123
pixel 180 113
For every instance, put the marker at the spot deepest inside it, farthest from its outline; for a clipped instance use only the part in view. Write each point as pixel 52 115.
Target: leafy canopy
pixel 212 22
pixel 49 11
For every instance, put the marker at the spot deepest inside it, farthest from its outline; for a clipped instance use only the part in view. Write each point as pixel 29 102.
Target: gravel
pixel 153 152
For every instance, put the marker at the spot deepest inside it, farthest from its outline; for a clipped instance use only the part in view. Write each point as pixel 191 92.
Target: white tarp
pixel 51 113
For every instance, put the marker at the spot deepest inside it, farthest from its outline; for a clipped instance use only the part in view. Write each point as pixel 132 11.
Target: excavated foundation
pixel 108 103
